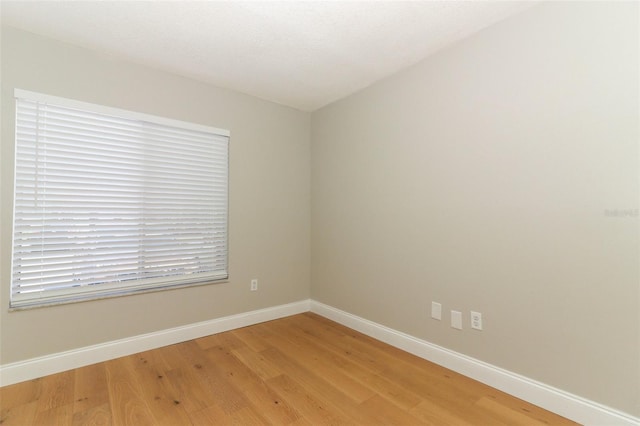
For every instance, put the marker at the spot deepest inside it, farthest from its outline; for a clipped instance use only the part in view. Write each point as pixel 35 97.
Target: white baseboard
pixel 55 363
pixel 558 401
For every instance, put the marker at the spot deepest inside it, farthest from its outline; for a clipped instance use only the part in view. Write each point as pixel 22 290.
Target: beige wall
pixel 486 178
pixel 269 196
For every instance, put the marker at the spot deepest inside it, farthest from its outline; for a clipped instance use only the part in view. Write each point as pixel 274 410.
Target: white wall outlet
pixel 436 310
pixel 476 320
pixel 254 284
pixel 456 319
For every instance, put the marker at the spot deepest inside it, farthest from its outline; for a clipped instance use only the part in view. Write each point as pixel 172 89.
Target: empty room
pixel 320 212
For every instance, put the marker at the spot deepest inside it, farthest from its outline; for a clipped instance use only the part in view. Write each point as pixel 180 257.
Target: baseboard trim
pixel 558 401
pixel 62 361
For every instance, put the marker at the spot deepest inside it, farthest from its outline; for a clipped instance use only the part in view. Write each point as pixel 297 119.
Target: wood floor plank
pixel 434 414
pixel 296 371
pixel 248 416
pixel 172 357
pixel 536 414
pixel 261 397
pixel 193 395
pixel 95 416
pixel 19 415
pixel 148 369
pixel 318 360
pixel 214 415
pixel 381 412
pixel 60 415
pixel 252 337
pixel 90 388
pixel 318 387
pixel 302 422
pixel 311 406
pixel 228 397
pixel 57 391
pixel 189 389
pixel 506 414
pixel 127 403
pixel 211 415
pixel 258 364
pixel 259 394
pixel 228 340
pixel 20 393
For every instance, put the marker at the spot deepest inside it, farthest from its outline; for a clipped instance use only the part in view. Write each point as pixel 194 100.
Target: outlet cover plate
pixel 436 311
pixel 476 320
pixel 456 320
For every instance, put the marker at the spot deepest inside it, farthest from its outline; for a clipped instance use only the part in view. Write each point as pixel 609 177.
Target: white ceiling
pixel 304 54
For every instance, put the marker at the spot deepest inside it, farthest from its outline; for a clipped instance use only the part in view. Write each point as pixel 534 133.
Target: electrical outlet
pixel 436 310
pixel 476 320
pixel 254 284
pixel 456 319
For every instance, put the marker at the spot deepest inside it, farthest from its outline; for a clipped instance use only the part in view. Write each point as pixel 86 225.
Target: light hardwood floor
pixel 300 370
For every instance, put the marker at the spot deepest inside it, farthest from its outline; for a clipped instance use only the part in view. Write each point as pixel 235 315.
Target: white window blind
pixel 109 202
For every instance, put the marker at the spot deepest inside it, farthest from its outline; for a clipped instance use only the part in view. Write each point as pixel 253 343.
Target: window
pixel 110 202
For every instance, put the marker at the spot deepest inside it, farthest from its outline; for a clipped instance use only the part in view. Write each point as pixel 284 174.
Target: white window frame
pixel 203 237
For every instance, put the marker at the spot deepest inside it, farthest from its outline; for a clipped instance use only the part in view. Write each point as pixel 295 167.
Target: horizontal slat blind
pixel 114 202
